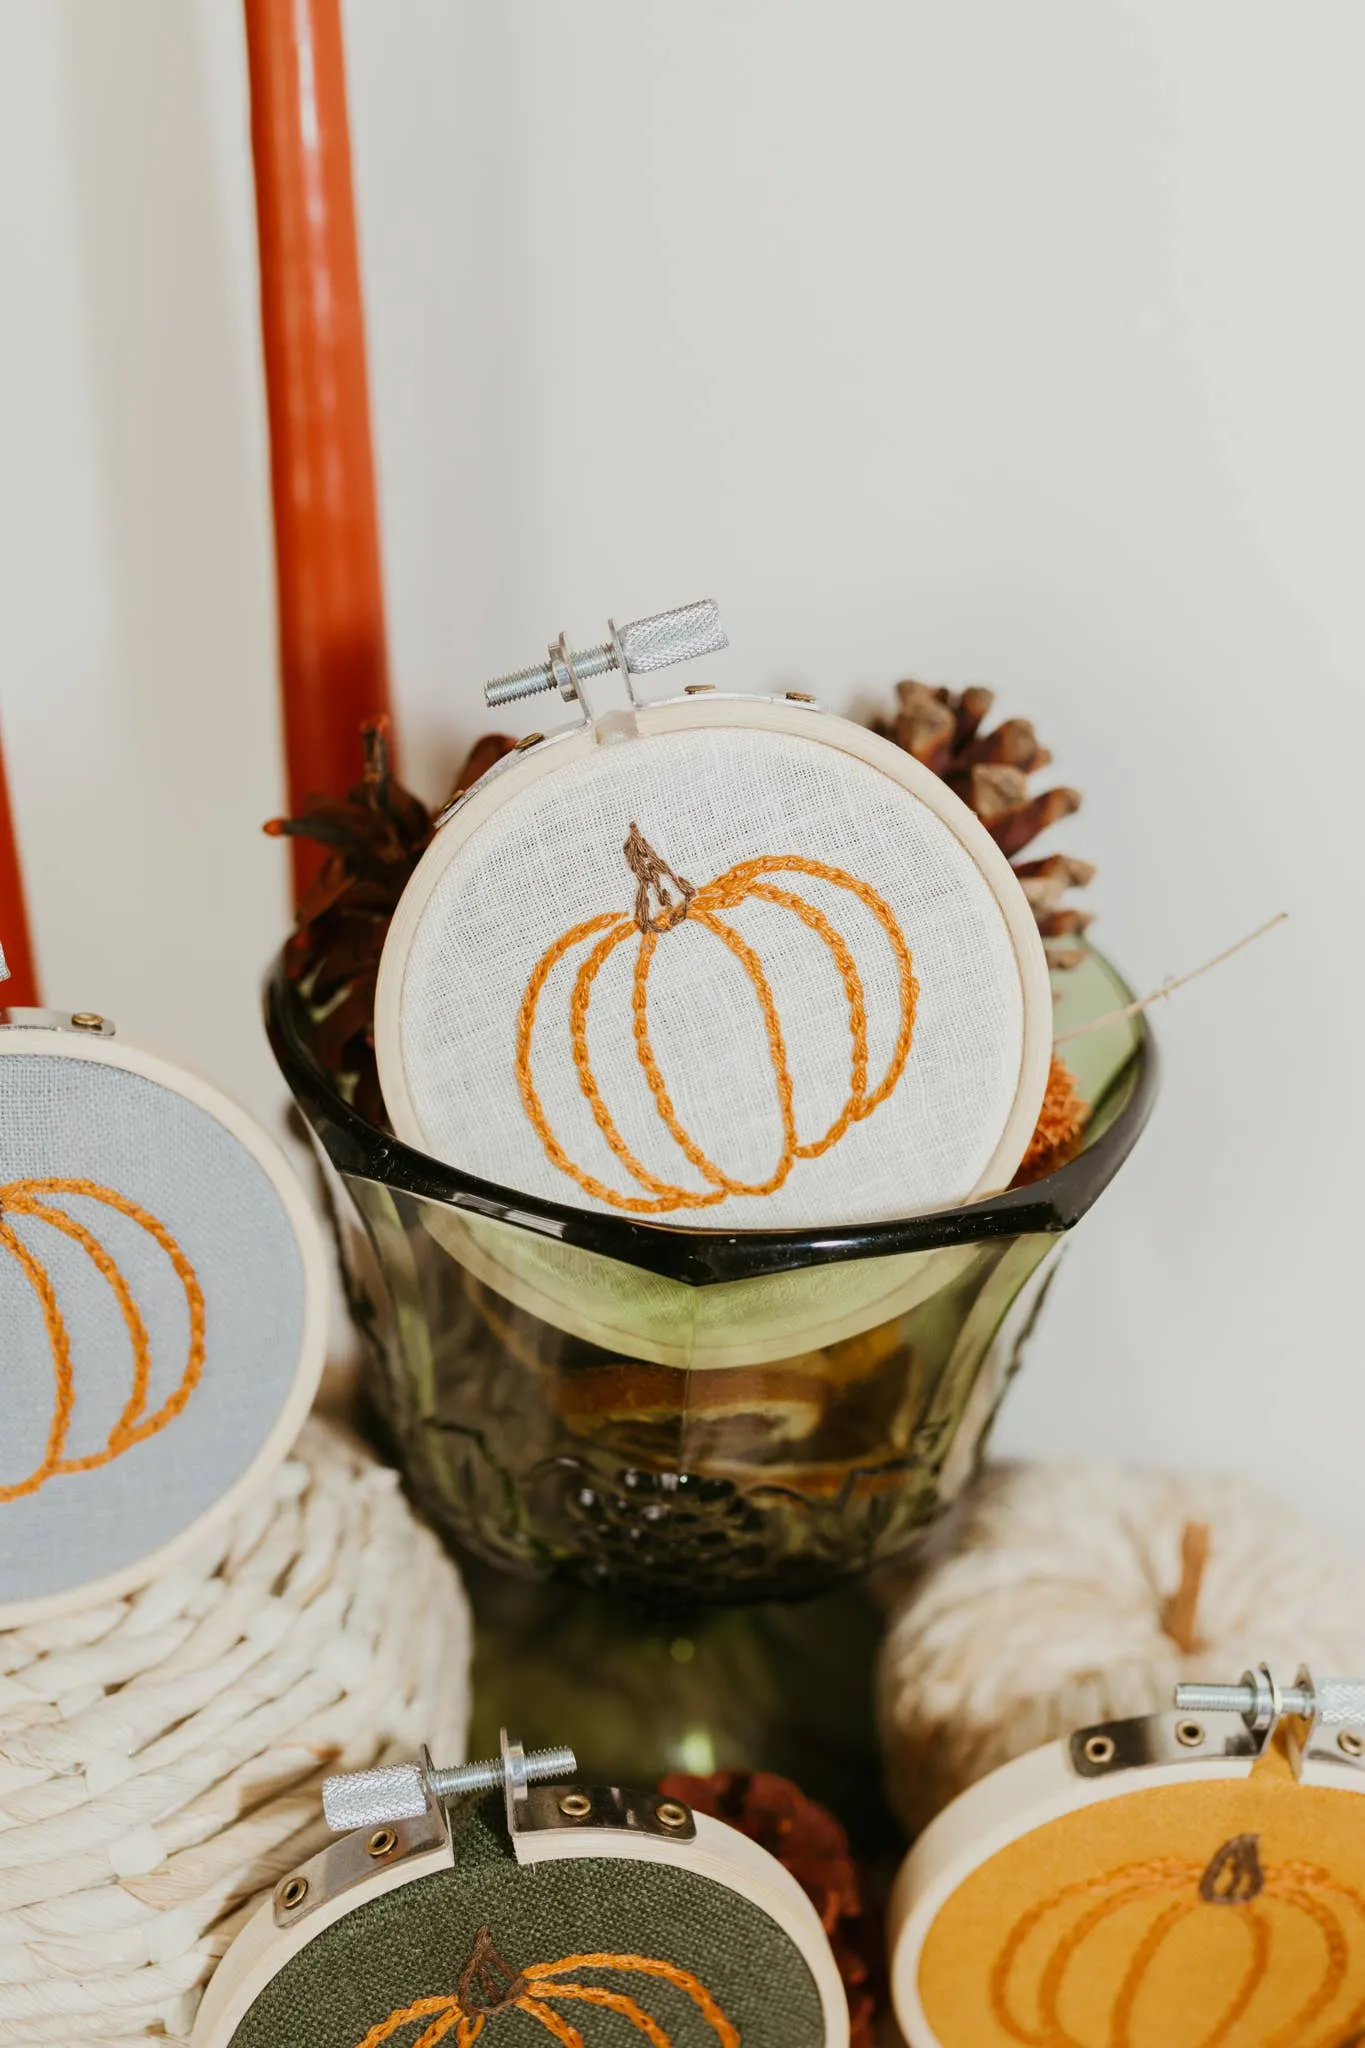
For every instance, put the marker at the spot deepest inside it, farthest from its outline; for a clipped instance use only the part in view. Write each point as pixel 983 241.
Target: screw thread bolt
pixel 1237 1699
pixel 487 1774
pixel 639 648
pixel 394 1792
pixel 1214 1699
pixel 529 682
pixel 1262 1703
pixel 526 682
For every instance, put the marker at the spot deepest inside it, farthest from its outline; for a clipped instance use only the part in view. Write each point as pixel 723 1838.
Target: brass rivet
pixel 1351 1742
pixel 697 689
pixel 1189 1734
pixel 87 1020
pixel 532 739
pixel 381 1842
pixel 575 1805
pixel 293 1891
pixel 670 1815
pixel 800 696
pixel 1099 1749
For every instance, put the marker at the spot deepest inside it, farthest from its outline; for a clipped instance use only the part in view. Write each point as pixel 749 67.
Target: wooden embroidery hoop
pixel 86 1037
pixel 714 712
pixel 423 1846
pixel 1042 1817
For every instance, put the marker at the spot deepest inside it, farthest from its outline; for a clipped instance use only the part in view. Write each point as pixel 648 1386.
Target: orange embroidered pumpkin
pixel 489 1986
pixel 1233 1950
pixel 34 1198
pixel 662 901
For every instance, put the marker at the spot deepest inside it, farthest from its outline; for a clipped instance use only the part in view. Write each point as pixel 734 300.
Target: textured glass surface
pixel 698 1415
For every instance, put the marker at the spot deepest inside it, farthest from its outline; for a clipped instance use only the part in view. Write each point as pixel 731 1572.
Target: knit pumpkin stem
pixel 1179 1614
pixel 670 892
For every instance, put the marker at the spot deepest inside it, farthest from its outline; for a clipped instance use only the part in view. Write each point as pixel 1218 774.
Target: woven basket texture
pixel 161 1756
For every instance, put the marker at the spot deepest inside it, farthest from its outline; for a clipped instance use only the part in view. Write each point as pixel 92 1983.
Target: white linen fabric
pixel 550 856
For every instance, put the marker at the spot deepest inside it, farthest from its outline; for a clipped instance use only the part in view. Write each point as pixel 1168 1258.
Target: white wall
pixel 984 341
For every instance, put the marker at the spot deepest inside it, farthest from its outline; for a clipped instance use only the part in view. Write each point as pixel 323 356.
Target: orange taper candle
pixel 333 666
pixel 21 990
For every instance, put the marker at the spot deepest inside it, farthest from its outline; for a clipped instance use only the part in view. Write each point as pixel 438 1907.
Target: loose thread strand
pixel 1168 988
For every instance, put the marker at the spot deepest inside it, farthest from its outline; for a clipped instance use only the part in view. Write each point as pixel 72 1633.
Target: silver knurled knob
pixel 636 650
pixel 366 1799
pixel 1332 1702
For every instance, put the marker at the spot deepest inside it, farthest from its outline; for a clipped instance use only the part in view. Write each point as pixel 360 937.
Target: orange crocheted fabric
pixel 1060 1127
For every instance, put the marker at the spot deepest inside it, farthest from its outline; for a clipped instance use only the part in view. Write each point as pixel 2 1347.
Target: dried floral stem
pixel 1168 988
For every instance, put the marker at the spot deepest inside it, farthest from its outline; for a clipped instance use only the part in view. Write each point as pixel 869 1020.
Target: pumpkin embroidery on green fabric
pixel 489 1986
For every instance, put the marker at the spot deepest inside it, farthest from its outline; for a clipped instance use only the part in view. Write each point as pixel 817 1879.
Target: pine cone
pixel 990 772
pixel 376 833
pixel 809 1841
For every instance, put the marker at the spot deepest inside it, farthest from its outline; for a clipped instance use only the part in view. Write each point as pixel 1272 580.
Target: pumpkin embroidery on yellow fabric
pixel 1244 1893
pixel 35 1198
pixel 662 901
pixel 489 1986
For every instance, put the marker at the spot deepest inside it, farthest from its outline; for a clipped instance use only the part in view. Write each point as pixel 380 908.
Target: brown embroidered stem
pixel 488 1984
pixel 651 873
pixel 1179 1613
pixel 1234 1873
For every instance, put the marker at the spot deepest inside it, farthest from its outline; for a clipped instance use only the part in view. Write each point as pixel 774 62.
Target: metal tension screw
pixel 368 1799
pixel 636 650
pixel 1262 1703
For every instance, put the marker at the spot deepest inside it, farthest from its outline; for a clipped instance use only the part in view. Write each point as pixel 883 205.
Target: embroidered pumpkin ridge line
pixel 24 1198
pixel 532 1990
pixel 682 900
pixel 614 2001
pixel 578 1012
pixel 1295 1884
pixel 653 1966
pixel 403 2016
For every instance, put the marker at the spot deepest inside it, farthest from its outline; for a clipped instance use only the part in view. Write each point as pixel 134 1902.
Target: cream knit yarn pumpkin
pixel 1049 1601
pixel 161 1756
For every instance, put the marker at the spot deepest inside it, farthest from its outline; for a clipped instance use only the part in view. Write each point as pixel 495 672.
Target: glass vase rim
pixel 362 1151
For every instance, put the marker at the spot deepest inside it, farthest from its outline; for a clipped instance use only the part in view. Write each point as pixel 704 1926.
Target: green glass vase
pixel 697 1416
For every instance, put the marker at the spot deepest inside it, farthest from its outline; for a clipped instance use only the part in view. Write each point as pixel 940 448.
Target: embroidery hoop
pixel 1152 1780
pixel 542 762
pixel 272 1198
pixel 424 1846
